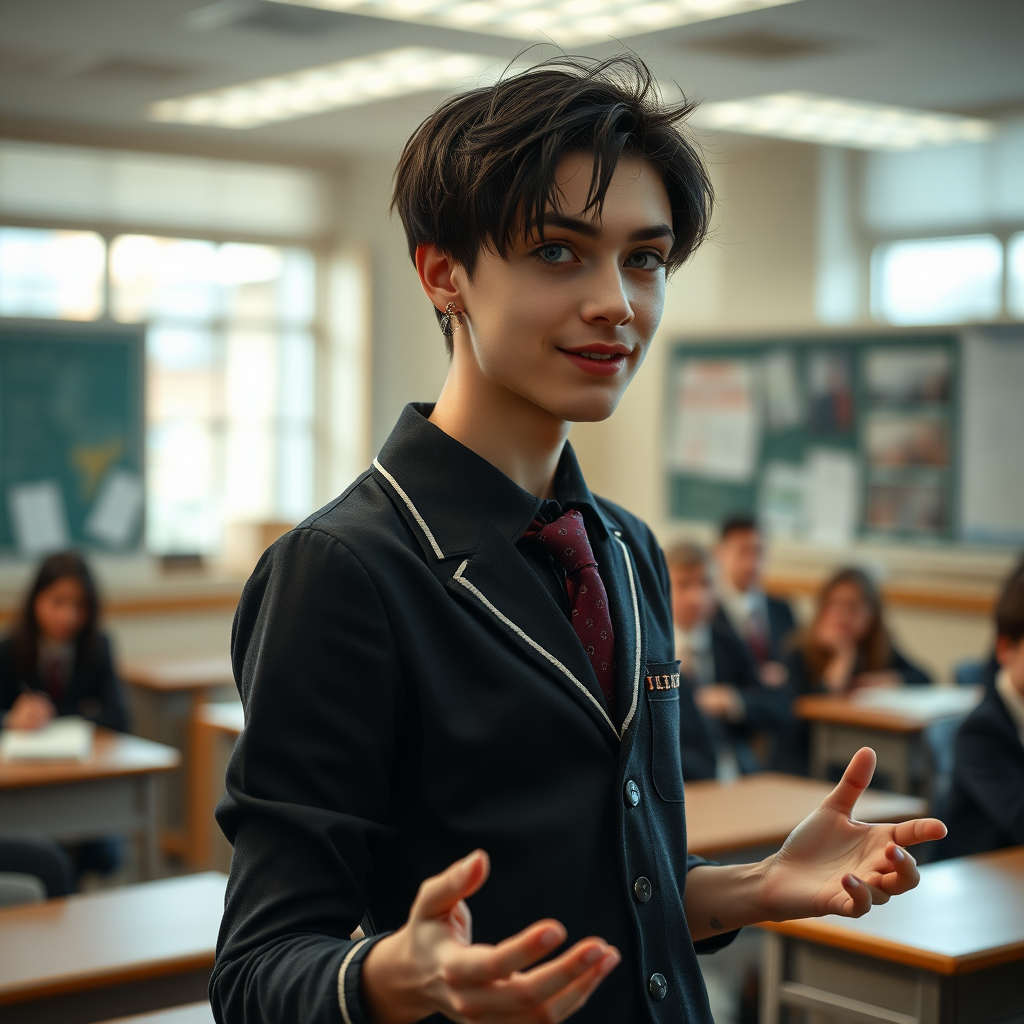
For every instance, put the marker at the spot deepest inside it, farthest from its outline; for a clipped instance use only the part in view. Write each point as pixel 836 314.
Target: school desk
pixel 215 729
pixel 108 954
pixel 891 722
pixel 112 792
pixel 754 814
pixel 194 1013
pixel 163 695
pixel 950 951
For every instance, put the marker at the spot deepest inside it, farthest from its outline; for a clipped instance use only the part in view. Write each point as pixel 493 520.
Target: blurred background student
pixel 718 666
pixel 56 661
pixel 764 623
pixel 847 646
pixel 985 807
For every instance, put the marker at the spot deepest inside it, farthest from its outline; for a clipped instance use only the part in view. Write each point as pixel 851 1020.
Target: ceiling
pixel 87 69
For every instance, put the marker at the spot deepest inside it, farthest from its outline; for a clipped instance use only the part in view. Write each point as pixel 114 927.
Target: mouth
pixel 601 361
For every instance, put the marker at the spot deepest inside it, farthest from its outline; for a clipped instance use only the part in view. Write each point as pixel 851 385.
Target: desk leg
pixel 150 827
pixel 821 742
pixel 771 978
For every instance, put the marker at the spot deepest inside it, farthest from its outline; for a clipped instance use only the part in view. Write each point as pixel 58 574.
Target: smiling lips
pixel 602 362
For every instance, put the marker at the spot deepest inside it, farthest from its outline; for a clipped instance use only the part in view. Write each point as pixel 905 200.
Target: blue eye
pixel 644 261
pixel 555 254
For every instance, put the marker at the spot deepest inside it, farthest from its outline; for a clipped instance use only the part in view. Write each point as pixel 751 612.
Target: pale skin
pixel 61 611
pixel 842 622
pixel 518 380
pixel 1010 656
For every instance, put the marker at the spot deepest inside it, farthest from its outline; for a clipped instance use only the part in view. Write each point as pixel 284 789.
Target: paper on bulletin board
pixel 114 517
pixel 39 518
pixel 716 423
pixel 783 401
pixel 782 501
pixel 833 496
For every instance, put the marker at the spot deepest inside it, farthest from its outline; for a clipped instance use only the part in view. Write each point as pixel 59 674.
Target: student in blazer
pixel 461 699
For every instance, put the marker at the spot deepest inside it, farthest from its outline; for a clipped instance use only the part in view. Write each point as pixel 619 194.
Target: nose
pixel 607 302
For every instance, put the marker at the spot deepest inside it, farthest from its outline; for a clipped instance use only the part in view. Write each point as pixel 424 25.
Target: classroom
pixel 316 324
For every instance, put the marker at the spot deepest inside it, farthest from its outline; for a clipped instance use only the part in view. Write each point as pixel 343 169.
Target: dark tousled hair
pixel 740 522
pixel 25 635
pixel 1010 607
pixel 481 169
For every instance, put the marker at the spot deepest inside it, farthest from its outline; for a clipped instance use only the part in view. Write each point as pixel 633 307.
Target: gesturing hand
pixel 833 864
pixel 430 964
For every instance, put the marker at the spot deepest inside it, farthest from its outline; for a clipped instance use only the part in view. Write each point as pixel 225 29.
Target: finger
pixel 854 781
pixel 904 875
pixel 576 993
pixel 438 894
pixel 859 902
pixel 920 830
pixel 479 964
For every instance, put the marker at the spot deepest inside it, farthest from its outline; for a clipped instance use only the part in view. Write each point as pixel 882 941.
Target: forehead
pixel 688 573
pixel 636 192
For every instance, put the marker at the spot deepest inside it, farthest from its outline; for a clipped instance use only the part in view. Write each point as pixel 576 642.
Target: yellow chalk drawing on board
pixel 92 461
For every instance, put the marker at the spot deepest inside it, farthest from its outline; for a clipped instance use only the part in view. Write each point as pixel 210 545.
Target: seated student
pixel 846 647
pixel 56 661
pixel 765 623
pixel 986 799
pixel 461 696
pixel 991 668
pixel 718 665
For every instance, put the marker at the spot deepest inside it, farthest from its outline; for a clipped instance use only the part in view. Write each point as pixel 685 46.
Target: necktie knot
pixel 566 541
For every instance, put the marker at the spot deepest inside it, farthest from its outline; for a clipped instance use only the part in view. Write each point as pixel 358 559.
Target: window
pixel 937 280
pixel 1015 276
pixel 230 376
pixel 230 381
pixel 54 274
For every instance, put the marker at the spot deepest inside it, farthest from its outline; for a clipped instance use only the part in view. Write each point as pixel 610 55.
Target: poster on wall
pixel 716 431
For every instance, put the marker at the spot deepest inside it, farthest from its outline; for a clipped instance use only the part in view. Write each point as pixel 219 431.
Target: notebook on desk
pixel 928 702
pixel 63 739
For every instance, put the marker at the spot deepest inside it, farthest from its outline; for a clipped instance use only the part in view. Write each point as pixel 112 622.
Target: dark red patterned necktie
pixel 566 541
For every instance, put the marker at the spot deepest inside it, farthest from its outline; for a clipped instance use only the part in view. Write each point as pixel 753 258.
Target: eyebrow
pixel 590 230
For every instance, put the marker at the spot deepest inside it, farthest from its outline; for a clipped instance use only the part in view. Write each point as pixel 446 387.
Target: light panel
pixel 349 83
pixel 828 121
pixel 567 22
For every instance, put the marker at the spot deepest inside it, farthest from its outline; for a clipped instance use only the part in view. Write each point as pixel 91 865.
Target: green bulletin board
pixel 71 436
pixel 797 430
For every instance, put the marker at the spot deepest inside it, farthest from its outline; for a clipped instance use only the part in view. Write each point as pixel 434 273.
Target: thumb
pixel 440 893
pixel 854 781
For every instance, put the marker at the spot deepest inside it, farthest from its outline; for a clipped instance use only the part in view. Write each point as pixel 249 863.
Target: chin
pixel 585 408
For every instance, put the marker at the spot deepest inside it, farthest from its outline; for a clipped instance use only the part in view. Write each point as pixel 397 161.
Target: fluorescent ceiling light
pixel 838 122
pixel 567 22
pixel 349 83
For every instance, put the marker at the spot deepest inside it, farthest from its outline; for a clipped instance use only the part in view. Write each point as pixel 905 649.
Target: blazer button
pixel 632 793
pixel 658 987
pixel 642 889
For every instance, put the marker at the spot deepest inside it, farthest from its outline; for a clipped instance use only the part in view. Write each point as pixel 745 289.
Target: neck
pixel 513 434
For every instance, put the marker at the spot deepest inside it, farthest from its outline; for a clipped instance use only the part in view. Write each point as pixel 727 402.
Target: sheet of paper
pixel 38 517
pixel 717 426
pixel 783 402
pixel 63 739
pixel 930 702
pixel 833 496
pixel 114 517
pixel 782 500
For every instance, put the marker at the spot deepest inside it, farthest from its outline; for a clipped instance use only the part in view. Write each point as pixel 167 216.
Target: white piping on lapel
pixel 412 508
pixel 636 619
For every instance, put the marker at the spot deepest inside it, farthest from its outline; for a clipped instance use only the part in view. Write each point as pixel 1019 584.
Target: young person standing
pixel 459 677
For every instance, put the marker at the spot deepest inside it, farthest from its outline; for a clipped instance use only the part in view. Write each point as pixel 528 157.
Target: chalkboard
pixel 71 436
pixel 858 433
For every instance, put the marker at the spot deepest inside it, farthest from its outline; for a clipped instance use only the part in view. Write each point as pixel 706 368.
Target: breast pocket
pixel 661 686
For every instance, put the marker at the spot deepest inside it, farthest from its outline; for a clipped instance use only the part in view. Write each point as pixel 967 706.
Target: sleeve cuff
pixel 349 980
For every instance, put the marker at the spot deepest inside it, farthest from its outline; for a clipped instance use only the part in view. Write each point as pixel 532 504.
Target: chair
pixel 31 868
pixel 969 673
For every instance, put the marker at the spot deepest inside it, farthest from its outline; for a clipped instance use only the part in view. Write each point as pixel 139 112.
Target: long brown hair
pixel 874 649
pixel 25 635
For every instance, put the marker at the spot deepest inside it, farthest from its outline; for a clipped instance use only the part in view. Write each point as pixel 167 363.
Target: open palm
pixel 833 864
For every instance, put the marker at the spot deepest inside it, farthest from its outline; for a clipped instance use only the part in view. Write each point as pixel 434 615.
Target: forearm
pixel 721 898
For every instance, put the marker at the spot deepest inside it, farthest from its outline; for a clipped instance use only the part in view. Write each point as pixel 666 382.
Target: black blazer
pixel 985 807
pixel 412 691
pixel 781 626
pixel 696 747
pixel 793 751
pixel 93 691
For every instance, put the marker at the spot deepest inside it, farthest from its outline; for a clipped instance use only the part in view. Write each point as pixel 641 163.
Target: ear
pixel 437 274
pixel 1005 649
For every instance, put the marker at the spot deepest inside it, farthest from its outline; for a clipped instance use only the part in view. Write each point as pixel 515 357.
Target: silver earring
pixel 452 320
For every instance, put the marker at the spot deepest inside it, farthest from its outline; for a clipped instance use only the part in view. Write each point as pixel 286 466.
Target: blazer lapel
pixel 499 582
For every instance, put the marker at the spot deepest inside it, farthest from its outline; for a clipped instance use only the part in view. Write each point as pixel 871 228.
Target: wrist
pixel 387 992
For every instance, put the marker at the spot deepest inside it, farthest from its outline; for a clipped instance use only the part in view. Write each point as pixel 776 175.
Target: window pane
pixel 173 278
pixel 183 377
pixel 55 274
pixel 263 283
pixel 937 280
pixel 1015 270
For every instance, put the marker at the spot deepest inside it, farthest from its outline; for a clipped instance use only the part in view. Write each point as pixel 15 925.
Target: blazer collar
pixel 451 494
